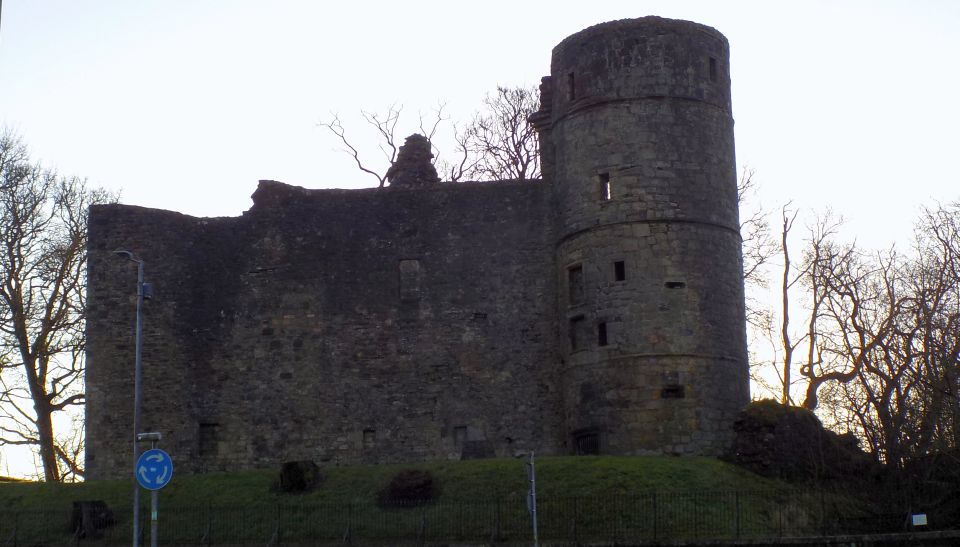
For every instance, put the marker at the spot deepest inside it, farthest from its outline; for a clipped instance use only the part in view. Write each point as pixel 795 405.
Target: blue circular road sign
pixel 154 469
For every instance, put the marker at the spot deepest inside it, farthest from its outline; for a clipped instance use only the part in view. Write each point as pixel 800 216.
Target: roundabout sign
pixel 154 469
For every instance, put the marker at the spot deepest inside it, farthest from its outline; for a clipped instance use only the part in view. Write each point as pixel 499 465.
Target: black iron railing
pixel 607 519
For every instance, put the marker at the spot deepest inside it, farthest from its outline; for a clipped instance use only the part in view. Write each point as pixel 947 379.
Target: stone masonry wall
pixel 648 256
pixel 598 311
pixel 338 326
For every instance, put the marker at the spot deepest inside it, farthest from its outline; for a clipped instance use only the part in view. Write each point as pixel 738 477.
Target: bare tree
pixel 903 331
pixel 788 280
pixel 759 250
pixel 500 139
pixel 498 143
pixel 880 343
pixel 385 126
pixel 466 159
pixel 43 219
pixel 870 340
pixel 936 281
pixel 833 275
pixel 758 245
pixel 804 288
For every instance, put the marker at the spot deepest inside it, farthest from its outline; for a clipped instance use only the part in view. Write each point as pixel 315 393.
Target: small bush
pixel 409 488
pixel 299 476
pixel 90 518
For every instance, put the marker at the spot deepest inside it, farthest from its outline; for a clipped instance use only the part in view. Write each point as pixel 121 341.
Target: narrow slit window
pixel 575 284
pixel 713 69
pixel 674 284
pixel 606 192
pixel 619 271
pixel 602 334
pixel 571 86
pixel 577 338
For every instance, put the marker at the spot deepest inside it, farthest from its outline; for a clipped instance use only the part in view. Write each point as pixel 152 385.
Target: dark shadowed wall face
pixel 339 326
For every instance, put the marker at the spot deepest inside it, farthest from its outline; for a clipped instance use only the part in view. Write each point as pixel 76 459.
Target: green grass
pixel 468 480
pixel 581 498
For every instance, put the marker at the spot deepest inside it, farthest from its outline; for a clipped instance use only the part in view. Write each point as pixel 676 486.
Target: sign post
pixel 154 471
pixel 532 498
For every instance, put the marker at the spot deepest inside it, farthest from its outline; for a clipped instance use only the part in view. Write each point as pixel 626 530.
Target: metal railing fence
pixel 615 519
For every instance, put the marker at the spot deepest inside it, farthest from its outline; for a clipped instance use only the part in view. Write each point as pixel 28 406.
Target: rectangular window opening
pixel 577 338
pixel 713 69
pixel 409 280
pixel 674 284
pixel 587 444
pixel 619 271
pixel 459 435
pixel 601 334
pixel 369 438
pixel 208 439
pixel 571 86
pixel 575 284
pixel 606 192
pixel 672 391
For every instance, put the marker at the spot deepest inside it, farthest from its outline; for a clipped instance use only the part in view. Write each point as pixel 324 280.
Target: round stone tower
pixel 637 141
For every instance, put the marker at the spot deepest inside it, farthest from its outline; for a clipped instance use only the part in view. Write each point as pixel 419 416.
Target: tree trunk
pixel 785 303
pixel 48 452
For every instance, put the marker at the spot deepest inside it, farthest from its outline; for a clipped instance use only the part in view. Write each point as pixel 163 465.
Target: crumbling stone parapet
pixel 414 165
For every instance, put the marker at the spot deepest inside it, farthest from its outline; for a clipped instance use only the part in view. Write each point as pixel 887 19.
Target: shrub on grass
pixel 299 476
pixel 409 488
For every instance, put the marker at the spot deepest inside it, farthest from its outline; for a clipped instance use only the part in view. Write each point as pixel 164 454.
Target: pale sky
pixel 185 105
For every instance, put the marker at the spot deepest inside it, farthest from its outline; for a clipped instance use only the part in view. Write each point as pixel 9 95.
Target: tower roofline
pixel 648 22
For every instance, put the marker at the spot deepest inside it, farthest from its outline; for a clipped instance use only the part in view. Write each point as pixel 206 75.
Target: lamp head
pixel 126 254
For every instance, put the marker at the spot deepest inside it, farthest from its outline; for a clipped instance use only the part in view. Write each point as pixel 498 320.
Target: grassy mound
pixel 614 499
pixel 467 480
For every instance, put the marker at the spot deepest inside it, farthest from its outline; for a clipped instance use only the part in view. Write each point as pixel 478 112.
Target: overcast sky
pixel 184 105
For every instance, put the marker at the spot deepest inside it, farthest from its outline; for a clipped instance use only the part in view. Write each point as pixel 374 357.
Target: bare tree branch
pixel 42 269
pixel 500 140
pixel 337 129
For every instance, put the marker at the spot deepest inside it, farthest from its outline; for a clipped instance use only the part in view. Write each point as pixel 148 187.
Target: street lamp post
pixel 137 388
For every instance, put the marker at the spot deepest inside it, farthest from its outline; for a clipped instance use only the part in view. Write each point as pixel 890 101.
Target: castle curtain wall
pixel 338 326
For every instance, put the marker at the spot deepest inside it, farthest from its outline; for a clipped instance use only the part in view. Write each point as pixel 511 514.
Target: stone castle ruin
pixel 598 311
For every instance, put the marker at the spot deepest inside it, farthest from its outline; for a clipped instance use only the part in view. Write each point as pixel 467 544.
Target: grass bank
pixel 467 480
pixel 580 498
